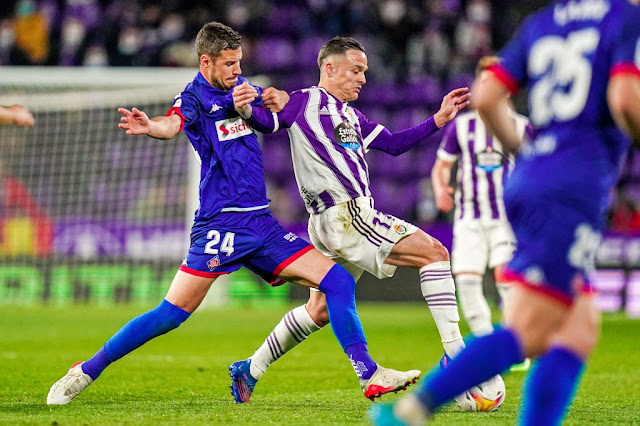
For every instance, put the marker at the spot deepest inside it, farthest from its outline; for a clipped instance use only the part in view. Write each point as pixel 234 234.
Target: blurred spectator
pixel 31 35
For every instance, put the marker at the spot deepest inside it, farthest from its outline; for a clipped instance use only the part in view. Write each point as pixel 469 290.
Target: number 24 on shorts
pixel 226 246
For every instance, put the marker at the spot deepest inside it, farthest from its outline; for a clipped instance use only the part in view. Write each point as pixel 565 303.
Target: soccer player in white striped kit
pixel 328 141
pixel 482 236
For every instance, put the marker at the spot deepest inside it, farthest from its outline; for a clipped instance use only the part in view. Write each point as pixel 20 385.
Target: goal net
pixel 88 213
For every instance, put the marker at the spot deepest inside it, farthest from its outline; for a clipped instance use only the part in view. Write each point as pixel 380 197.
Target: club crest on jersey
pixel 400 229
pixel 489 159
pixel 213 263
pixel 232 128
pixel 347 136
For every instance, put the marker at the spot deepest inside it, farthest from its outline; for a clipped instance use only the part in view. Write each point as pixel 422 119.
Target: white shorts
pixel 477 245
pixel 358 237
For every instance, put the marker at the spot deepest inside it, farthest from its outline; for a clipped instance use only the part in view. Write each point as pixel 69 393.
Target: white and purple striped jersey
pixel 483 166
pixel 328 141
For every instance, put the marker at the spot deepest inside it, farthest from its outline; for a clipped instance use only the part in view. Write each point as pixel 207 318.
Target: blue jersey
pixel 232 172
pixel 565 55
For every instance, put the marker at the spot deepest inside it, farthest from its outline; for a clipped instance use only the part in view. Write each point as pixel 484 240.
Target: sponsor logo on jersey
pixel 489 159
pixel 324 111
pixel 214 108
pixel 291 237
pixel 232 128
pixel 347 136
pixel 400 229
pixel 213 263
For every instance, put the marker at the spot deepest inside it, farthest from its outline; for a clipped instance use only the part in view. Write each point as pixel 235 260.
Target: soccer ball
pixel 487 396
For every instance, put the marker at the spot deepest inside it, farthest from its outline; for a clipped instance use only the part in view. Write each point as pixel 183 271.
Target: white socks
pixel 473 303
pixel 295 326
pixel 439 292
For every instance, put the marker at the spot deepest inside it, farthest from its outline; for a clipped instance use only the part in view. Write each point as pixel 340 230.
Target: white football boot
pixel 386 380
pixel 67 388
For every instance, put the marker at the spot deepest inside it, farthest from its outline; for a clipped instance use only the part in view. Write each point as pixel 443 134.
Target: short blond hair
pixel 486 62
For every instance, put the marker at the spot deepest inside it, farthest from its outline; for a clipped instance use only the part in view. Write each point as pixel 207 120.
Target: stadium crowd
pixel 418 50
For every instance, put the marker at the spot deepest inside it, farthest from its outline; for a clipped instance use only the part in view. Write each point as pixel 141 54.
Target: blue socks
pixel 550 387
pixel 340 290
pixel 361 361
pixel 484 358
pixel 165 317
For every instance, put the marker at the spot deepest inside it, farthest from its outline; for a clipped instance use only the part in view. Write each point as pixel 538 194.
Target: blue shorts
pixel 252 239
pixel 556 243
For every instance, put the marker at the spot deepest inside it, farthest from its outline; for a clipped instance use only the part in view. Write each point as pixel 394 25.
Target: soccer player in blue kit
pixel 233 225
pixel 580 61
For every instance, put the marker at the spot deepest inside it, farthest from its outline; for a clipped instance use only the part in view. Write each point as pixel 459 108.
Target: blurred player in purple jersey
pixel 482 236
pixel 329 139
pixel 580 61
pixel 16 114
pixel 233 225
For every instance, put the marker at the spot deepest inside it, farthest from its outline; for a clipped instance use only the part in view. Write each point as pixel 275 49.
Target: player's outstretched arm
pixel 16 114
pixel 453 102
pixel 440 177
pixel 136 122
pixel 623 96
pixel 491 99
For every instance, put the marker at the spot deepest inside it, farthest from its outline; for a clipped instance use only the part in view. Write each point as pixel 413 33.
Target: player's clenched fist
pixel 274 99
pixel 243 95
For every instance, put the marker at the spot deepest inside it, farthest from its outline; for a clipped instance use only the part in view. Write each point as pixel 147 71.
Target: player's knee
pixel 170 317
pixel 338 281
pixel 437 253
pixel 583 333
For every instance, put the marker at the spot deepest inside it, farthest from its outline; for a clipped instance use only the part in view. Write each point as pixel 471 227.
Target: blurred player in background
pixel 328 141
pixel 482 236
pixel 16 114
pixel 580 61
pixel 233 225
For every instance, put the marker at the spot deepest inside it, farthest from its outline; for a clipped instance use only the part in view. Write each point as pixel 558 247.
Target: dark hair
pixel 338 46
pixel 215 37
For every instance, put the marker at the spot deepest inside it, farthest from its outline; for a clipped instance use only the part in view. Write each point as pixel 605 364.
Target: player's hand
pixel 135 122
pixel 453 102
pixel 444 198
pixel 22 116
pixel 243 95
pixel 274 99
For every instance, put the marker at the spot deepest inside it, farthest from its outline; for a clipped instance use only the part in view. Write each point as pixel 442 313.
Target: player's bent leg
pixel 164 318
pixel 338 286
pixel 551 385
pixel 535 317
pixel 431 258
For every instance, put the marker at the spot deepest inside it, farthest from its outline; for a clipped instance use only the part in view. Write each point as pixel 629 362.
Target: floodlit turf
pixel 181 378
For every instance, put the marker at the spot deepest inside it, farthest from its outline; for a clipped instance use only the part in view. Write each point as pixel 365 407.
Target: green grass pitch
pixel 181 378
